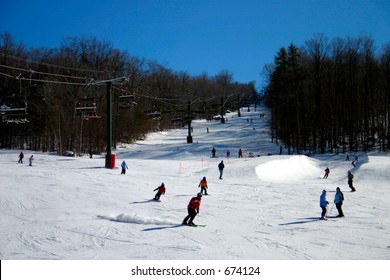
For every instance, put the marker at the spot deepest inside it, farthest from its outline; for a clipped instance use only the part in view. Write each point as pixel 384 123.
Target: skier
pixel 327 171
pixel 221 166
pixel 124 167
pixel 30 160
pixel 323 204
pixel 203 186
pixel 228 154
pixel 161 190
pixel 350 181
pixel 240 153
pixel 338 200
pixel 193 210
pixel 21 156
pixel 213 151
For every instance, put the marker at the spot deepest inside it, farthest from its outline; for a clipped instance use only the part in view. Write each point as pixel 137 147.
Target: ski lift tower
pixel 110 158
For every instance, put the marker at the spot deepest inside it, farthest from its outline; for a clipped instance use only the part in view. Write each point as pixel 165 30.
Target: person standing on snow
pixel 239 153
pixel 323 204
pixel 221 166
pixel 30 160
pixel 21 156
pixel 338 200
pixel 161 190
pixel 350 181
pixel 213 151
pixel 124 167
pixel 203 186
pixel 327 171
pixel 193 210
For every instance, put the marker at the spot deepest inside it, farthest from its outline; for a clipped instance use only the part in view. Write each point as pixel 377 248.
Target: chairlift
pixel 86 108
pixel 126 101
pixel 154 115
pixel 14 109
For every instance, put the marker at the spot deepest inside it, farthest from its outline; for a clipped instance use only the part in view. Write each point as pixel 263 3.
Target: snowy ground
pixel 265 208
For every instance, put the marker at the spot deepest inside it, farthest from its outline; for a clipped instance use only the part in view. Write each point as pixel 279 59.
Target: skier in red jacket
pixel 160 190
pixel 193 209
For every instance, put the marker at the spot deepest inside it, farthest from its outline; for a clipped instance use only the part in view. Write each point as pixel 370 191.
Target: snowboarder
pixel 124 167
pixel 160 190
pixel 193 210
pixel 323 204
pixel 338 200
pixel 203 186
pixel 21 156
pixel 327 171
pixel 239 153
pixel 350 181
pixel 221 166
pixel 213 151
pixel 30 160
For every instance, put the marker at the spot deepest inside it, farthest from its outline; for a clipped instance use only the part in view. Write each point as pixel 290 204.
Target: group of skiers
pixel 338 201
pixel 21 157
pixel 339 196
pixel 193 205
pixel 214 151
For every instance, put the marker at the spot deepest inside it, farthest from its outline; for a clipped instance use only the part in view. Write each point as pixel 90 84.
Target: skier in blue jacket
pixel 338 200
pixel 124 167
pixel 323 204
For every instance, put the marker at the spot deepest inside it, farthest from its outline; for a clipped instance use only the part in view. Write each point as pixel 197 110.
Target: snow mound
pixel 290 169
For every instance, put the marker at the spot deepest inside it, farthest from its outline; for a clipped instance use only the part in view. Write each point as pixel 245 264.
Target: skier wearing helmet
pixel 203 186
pixel 193 209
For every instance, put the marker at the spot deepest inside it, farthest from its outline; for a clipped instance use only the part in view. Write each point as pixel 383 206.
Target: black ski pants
pixel 191 215
pixel 323 213
pixel 338 206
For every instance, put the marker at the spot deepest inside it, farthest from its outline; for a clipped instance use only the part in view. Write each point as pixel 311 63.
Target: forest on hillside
pixel 56 99
pixel 330 95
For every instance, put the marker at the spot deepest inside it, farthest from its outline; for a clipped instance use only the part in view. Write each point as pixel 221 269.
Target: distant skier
pixel 327 171
pixel 221 166
pixel 338 200
pixel 21 156
pixel 160 190
pixel 347 157
pixel 124 167
pixel 355 160
pixel 350 181
pixel 203 186
pixel 228 154
pixel 280 150
pixel 193 210
pixel 323 204
pixel 213 151
pixel 30 160
pixel 239 153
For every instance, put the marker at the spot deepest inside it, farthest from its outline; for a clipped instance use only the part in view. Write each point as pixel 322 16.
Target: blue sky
pixel 196 36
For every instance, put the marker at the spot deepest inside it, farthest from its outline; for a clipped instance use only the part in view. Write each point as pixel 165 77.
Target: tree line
pixel 58 84
pixel 330 95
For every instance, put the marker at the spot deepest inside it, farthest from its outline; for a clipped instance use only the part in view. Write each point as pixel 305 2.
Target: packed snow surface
pixel 265 207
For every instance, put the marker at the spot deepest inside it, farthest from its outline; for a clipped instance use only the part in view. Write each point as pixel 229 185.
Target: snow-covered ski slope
pixel 266 207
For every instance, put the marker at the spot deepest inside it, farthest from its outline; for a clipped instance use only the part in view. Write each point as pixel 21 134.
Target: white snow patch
pixel 290 169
